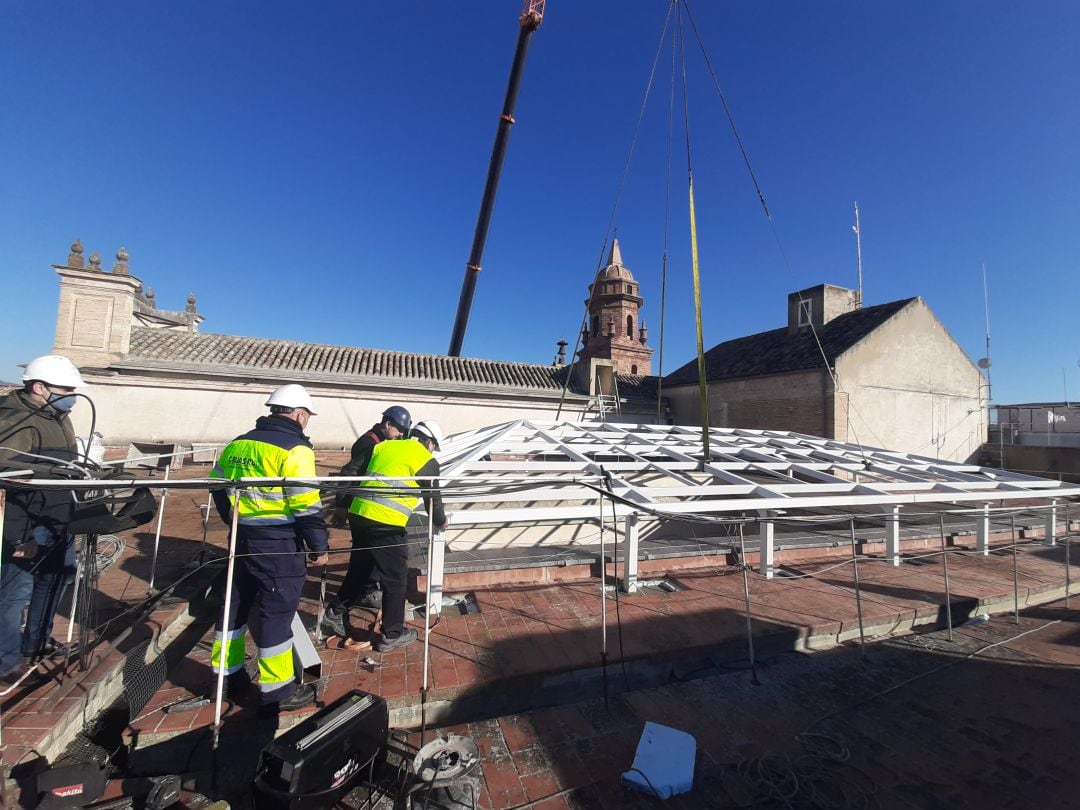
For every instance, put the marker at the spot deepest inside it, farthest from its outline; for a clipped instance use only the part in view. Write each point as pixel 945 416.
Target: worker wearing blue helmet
pixel 395 423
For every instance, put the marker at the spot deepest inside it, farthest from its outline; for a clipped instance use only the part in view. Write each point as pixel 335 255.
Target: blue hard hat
pixel 399 416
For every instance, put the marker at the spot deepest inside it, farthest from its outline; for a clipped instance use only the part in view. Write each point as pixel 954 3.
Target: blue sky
pixel 313 171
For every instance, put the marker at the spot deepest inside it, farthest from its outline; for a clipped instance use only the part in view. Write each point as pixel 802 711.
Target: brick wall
pixel 801 402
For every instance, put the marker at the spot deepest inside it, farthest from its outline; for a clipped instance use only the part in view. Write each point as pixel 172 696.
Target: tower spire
pixel 615 256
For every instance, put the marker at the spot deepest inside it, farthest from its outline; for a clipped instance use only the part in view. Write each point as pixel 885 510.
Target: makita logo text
pixel 70 790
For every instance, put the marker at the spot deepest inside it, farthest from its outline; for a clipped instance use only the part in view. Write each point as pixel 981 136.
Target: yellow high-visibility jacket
pixel 276 448
pixel 390 460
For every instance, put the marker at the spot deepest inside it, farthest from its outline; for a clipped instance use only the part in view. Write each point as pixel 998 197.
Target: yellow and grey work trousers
pixel 269 578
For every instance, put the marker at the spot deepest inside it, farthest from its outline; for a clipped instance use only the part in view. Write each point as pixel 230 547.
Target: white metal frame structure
pixel 529 473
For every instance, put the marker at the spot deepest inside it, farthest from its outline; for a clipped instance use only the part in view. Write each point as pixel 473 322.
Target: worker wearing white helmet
pixel 428 431
pixel 275 527
pixel 38 555
pixel 404 474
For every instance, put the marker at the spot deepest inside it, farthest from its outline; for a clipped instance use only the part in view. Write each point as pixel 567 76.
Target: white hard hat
pixel 53 369
pixel 292 396
pixel 430 429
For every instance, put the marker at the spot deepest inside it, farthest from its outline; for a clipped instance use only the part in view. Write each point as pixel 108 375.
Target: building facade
pixel 887 376
pixel 154 377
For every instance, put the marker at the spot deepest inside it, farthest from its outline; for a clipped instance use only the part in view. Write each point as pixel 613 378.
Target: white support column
pixel 766 543
pixel 630 561
pixel 1050 536
pixel 982 530
pixel 892 536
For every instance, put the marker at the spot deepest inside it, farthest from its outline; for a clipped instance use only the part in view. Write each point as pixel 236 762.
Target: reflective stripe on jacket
pixel 391 460
pixel 275 449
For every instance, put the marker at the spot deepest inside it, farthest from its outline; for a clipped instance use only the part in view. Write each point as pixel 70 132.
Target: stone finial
pixel 643 334
pixel 584 335
pixel 150 297
pixel 121 266
pixel 75 258
pixel 95 260
pixel 190 304
pixel 560 357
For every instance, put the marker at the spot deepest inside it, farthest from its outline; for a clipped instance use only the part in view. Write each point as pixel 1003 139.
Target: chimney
pixel 95 312
pixel 818 305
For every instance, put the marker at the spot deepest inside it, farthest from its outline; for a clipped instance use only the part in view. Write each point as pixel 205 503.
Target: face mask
pixel 62 402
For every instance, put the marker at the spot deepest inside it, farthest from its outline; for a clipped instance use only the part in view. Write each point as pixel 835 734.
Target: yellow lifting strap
pixel 702 382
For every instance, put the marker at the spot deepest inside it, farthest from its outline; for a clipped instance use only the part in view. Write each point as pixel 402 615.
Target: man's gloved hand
pixel 340 518
pixel 27 550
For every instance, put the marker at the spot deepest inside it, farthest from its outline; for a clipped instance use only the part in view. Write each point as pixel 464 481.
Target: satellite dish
pixel 984 362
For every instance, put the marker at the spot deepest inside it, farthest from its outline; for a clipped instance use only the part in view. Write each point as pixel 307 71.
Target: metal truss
pixel 529 471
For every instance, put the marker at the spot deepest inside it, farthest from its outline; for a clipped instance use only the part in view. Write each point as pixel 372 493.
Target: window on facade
pixel 633 369
pixel 805 311
pixel 629 289
pixel 596 325
pixel 629 326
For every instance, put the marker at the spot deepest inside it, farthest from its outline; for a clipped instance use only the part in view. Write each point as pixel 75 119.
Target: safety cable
pixel 614 213
pixel 727 111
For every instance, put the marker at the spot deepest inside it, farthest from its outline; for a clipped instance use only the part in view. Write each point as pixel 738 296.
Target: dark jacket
pixel 359 458
pixel 432 494
pixel 27 428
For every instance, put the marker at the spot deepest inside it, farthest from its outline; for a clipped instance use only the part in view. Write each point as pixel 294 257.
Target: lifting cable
pixel 614 211
pixel 703 386
pixel 772 224
pixel 667 229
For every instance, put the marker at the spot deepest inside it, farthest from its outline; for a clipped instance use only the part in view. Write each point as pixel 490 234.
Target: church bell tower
pixel 615 331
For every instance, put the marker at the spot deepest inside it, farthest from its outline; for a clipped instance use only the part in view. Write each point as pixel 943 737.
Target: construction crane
pixel 532 14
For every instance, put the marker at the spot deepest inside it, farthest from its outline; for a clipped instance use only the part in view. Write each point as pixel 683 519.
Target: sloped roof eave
pixel 775 351
pixel 346 380
pixel 907 304
pixel 735 378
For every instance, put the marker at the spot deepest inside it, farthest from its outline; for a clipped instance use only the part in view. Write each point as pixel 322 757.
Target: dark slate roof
pixel 777 352
pixel 201 349
pixel 637 387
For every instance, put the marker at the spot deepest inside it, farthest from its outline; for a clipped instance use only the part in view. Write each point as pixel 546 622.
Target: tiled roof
pixel 637 387
pixel 776 352
pixel 200 349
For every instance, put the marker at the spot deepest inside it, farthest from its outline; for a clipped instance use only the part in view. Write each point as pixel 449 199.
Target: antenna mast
pixel 984 363
pixel 858 249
